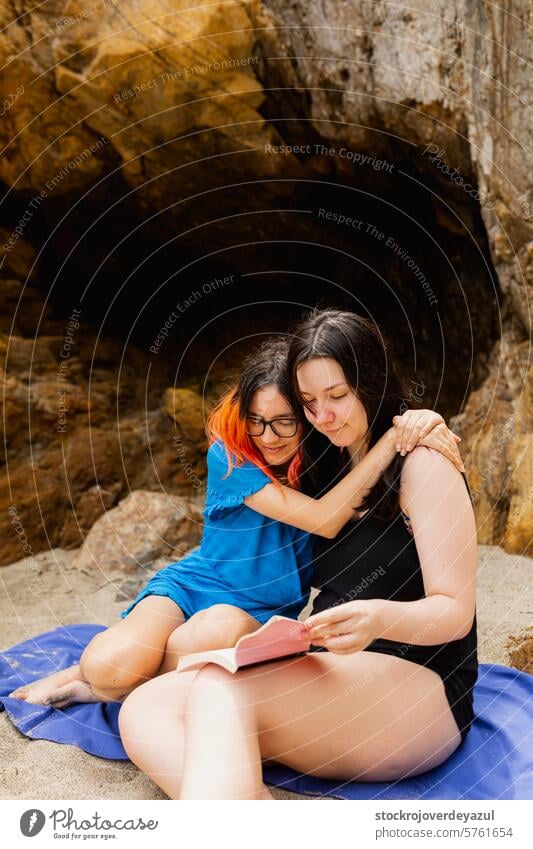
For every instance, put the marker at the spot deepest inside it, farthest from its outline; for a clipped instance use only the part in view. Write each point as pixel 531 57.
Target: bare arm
pixel 435 497
pixel 325 516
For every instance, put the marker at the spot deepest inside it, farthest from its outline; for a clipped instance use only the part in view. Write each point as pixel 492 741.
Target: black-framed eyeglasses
pixel 282 427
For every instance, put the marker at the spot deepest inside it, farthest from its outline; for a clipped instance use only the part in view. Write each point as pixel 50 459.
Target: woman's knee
pixel 178 641
pixel 132 718
pixel 139 717
pixel 226 613
pixel 230 621
pixel 219 626
pixel 149 714
pixel 215 687
pixel 135 735
pixel 111 663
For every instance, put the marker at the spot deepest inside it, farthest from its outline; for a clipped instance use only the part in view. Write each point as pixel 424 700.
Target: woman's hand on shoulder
pixel 428 428
pixel 412 426
pixel 442 439
pixel 345 628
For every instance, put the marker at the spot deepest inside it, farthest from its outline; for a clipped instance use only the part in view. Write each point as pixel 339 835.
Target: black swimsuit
pixel 371 558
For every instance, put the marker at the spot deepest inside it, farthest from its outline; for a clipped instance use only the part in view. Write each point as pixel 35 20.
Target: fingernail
pixel 402 453
pixel 410 447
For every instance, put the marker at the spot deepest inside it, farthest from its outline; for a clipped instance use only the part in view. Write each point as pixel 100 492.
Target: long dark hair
pixel 266 366
pixel 363 353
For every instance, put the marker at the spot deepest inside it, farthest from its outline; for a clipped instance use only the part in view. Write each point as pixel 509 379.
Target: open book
pixel 277 638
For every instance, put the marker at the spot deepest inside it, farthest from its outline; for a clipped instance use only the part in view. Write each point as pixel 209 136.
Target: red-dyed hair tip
pixel 227 424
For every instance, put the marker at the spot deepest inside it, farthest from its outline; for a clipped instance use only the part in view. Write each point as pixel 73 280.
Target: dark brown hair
pixel 266 366
pixel 360 349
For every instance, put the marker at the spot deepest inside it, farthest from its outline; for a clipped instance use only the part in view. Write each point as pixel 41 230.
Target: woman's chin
pixel 339 437
pixel 273 459
pixel 344 438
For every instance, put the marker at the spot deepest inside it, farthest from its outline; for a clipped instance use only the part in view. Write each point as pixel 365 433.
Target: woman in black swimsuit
pixel 376 556
pixel 387 691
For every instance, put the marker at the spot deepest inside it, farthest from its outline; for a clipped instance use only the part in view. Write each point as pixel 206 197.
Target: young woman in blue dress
pixel 387 692
pixel 254 559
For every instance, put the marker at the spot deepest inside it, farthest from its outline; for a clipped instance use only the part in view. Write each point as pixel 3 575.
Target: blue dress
pixel 245 559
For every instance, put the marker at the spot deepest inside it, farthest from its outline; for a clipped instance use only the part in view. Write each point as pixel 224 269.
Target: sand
pixel 38 769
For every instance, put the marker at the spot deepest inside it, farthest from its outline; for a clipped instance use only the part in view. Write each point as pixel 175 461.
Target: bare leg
pixel 365 716
pixel 151 723
pixel 151 728
pixel 115 661
pixel 222 756
pixel 151 718
pixel 216 627
pixel 219 626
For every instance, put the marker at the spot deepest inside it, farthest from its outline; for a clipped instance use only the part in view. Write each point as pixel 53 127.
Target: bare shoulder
pixel 427 472
pixel 422 459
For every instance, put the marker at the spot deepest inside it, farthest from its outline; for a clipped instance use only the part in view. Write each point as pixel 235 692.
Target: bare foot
pixel 75 691
pixel 72 693
pixel 62 689
pixel 39 691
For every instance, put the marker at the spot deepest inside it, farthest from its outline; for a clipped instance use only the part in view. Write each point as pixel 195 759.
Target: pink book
pixel 279 637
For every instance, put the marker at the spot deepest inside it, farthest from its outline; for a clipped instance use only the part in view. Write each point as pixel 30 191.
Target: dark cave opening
pixel 174 282
pixel 199 281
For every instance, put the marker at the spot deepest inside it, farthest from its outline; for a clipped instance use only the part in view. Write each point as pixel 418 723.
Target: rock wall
pixel 85 422
pixel 454 79
pixel 175 102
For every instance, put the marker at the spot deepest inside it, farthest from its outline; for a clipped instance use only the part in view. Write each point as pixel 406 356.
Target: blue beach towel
pixel 494 762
